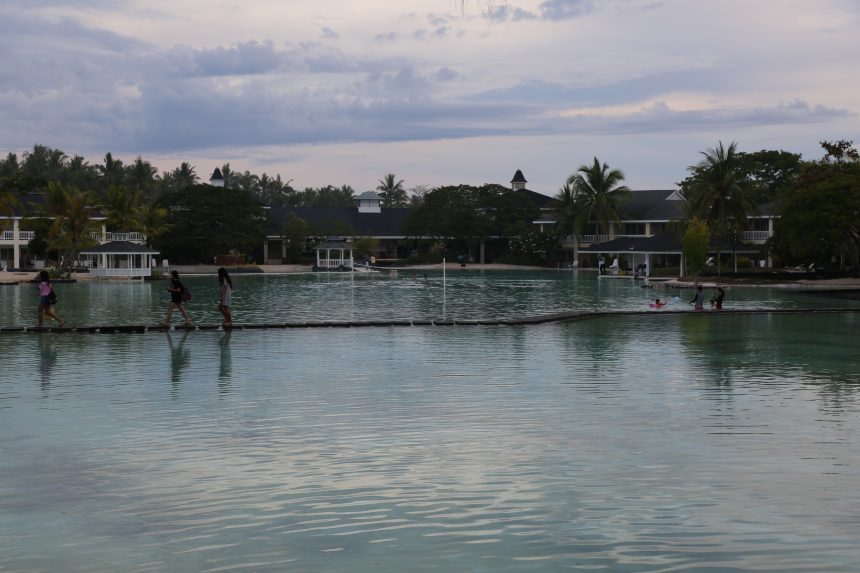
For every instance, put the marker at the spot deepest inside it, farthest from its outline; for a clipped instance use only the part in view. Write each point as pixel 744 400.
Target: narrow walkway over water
pixel 540 319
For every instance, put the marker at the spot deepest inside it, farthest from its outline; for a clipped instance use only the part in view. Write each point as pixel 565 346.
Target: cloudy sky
pixel 435 91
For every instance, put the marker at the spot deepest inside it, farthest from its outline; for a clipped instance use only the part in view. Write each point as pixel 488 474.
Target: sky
pixel 438 92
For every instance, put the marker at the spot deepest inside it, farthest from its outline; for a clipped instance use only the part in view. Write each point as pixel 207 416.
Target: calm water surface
pixel 352 296
pixel 673 443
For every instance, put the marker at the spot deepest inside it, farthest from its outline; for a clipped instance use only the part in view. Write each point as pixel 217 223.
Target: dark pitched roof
pixel 388 223
pixel 540 200
pixel 519 177
pixel 216 175
pixel 652 205
pixel 120 248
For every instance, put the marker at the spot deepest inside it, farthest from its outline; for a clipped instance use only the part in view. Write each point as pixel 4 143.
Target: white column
pixel 103 238
pixel 266 251
pixel 16 244
pixel 648 230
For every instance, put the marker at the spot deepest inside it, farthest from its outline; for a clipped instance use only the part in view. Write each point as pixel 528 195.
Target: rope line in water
pixel 530 320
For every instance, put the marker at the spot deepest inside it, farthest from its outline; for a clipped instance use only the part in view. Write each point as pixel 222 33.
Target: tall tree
pixel 152 221
pixel 72 226
pixel 209 221
pixel 9 167
pixel 718 191
pixel 184 176
pixel 111 171
pixel 141 175
pixel 819 219
pixel 392 191
pixel 121 206
pixel 598 194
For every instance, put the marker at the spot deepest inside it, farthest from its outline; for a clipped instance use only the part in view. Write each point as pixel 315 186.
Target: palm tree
pixel 393 193
pixel 151 220
pixel 596 196
pixel 72 227
pixel 718 190
pixel 141 175
pixel 111 172
pixel 120 208
pixel 184 176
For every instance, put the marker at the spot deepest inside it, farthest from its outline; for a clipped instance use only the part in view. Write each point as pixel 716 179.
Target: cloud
pixel 659 117
pixel 565 9
pixel 386 37
pixel 445 74
pixel 329 33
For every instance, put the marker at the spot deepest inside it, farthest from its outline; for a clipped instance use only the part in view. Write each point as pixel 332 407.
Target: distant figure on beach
pixel 699 299
pixel 718 298
pixel 176 289
pixel 226 296
pixel 601 265
pixel 47 300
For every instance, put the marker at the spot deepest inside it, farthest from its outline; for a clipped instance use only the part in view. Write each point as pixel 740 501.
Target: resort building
pixel 15 237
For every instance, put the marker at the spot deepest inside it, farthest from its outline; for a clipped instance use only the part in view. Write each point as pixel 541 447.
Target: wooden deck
pixel 530 320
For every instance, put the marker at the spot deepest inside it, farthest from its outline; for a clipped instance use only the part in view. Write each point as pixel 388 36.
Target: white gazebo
pixel 121 259
pixel 334 255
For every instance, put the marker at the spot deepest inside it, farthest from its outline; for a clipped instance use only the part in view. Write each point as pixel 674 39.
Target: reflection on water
pixel 621 444
pixel 179 359
pixel 225 363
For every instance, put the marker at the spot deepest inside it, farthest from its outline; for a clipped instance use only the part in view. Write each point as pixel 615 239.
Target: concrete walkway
pixel 531 320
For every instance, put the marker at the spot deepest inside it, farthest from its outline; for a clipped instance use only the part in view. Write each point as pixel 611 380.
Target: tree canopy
pixel 208 221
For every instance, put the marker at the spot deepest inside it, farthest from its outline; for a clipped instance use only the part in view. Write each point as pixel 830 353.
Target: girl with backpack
pixel 47 300
pixel 178 296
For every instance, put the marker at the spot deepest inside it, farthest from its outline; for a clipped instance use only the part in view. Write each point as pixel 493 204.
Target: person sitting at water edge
pixel 46 306
pixel 176 289
pixel 699 299
pixel 226 299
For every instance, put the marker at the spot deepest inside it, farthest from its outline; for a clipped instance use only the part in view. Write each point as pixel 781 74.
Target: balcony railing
pixel 755 235
pixel 144 272
pixel 606 238
pixel 132 237
pixel 22 235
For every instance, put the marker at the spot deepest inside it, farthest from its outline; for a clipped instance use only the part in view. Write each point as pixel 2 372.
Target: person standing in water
pixel 176 289
pixel 226 296
pixel 47 300
pixel 718 299
pixel 699 299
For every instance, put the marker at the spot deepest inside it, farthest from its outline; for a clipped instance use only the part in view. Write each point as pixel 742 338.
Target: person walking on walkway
pixel 47 300
pixel 226 296
pixel 177 296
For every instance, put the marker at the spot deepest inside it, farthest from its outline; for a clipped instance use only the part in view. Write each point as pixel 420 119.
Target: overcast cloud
pixel 332 92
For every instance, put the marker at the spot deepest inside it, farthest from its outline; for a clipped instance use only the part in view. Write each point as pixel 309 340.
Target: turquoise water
pixel 664 443
pixel 347 296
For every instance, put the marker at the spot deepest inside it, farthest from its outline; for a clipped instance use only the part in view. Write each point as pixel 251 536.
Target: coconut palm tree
pixel 597 196
pixel 184 176
pixel 141 175
pixel 393 193
pixel 72 227
pixel 120 208
pixel 111 171
pixel 718 190
pixel 151 220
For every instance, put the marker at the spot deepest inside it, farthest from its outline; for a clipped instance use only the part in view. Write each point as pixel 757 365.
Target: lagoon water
pixel 658 443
